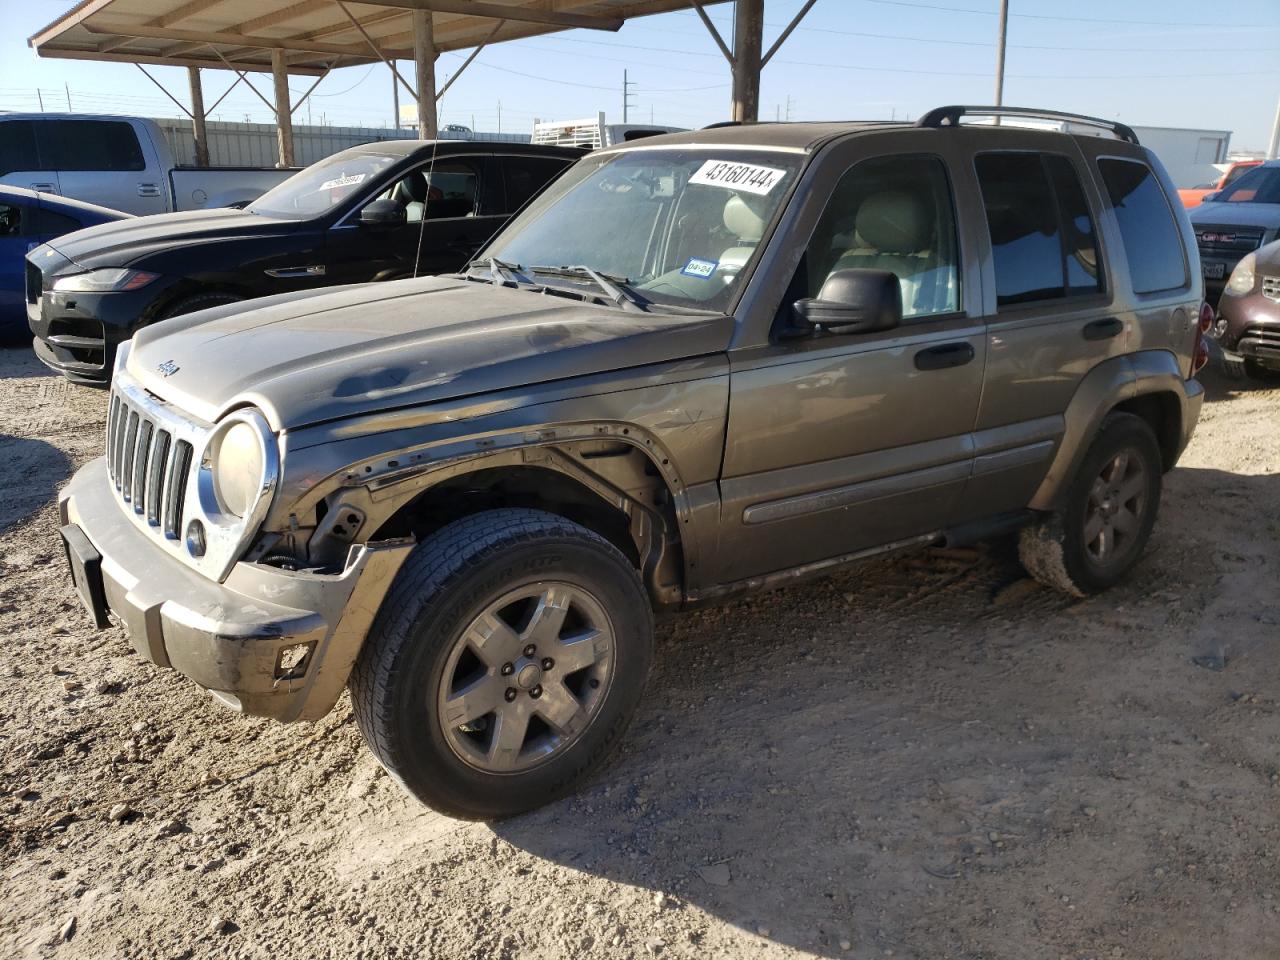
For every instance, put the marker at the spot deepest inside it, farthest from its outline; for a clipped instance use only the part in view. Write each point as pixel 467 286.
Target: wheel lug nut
pixel 536 692
pixel 507 669
pixel 510 694
pixel 530 650
pixel 548 663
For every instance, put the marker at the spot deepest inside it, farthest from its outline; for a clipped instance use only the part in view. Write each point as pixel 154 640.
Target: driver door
pixel 838 444
pixel 449 212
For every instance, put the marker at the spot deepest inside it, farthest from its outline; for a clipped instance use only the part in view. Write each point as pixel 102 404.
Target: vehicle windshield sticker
pixel 738 176
pixel 699 268
pixel 348 181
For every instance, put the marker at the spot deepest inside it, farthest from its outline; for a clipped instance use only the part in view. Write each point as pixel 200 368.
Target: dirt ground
pixel 924 757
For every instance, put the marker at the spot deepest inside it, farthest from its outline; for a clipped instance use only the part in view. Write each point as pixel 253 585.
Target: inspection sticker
pixel 738 176
pixel 348 181
pixel 699 268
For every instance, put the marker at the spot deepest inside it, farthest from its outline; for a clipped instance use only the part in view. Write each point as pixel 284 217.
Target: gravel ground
pixel 924 757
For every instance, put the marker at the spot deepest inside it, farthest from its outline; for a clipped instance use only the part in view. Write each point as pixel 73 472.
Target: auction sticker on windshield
pixel 347 181
pixel 738 176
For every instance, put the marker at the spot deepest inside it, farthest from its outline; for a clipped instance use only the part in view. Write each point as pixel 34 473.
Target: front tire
pixel 505 663
pixel 1098 536
pixel 198 301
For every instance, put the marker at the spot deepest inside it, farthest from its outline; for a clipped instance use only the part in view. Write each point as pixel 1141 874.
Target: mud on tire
pixel 1061 551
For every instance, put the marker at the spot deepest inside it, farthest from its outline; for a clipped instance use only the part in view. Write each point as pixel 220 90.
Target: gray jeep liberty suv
pixel 700 363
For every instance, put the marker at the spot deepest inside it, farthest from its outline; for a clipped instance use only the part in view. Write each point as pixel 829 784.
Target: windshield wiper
pixel 500 271
pixel 615 288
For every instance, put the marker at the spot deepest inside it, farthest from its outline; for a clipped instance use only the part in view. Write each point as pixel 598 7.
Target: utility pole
pixel 626 96
pixel 1273 151
pixel 395 95
pixel 499 116
pixel 1000 44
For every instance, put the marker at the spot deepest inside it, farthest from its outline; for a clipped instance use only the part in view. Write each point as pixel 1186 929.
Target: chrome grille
pixel 148 468
pixel 1271 288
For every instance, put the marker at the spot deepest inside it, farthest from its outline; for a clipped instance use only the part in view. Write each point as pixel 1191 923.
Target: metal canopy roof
pixel 313 35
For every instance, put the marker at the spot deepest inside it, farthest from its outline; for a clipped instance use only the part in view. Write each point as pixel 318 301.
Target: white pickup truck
pixel 118 162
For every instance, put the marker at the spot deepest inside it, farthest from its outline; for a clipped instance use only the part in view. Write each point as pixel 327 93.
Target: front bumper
pixel 241 639
pixel 1249 327
pixel 77 334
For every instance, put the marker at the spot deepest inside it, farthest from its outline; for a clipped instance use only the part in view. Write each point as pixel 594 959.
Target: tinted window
pixel 1151 243
pixel 102 145
pixel 18 147
pixel 1022 220
pixel 437 191
pixel 1079 248
pixel 525 176
pixel 43 222
pixel 895 214
pixel 1259 185
pixel 10 220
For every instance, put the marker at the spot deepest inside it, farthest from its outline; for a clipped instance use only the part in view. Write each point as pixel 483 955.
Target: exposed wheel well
pixel 1163 415
pixel 617 492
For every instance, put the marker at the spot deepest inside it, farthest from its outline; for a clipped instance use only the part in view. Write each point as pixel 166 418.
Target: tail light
pixel 1200 356
pixel 1206 319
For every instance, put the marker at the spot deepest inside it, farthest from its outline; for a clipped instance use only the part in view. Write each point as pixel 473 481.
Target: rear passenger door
pixel 1049 310
pixel 20 162
pixel 104 162
pixel 838 443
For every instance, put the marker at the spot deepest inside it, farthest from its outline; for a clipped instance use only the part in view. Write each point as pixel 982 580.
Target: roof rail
pixel 728 123
pixel 950 117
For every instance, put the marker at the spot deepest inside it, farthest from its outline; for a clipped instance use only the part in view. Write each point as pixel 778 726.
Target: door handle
pixel 945 356
pixel 1103 329
pixel 148 190
pixel 43 188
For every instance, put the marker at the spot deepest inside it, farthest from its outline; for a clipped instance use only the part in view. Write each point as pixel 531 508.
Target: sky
pixel 1177 63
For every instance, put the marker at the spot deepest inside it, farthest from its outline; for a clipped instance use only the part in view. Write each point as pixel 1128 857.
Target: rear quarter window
pixel 1152 246
pixel 89 145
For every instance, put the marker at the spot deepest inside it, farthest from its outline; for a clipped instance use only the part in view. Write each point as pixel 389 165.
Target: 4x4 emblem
pixel 167 369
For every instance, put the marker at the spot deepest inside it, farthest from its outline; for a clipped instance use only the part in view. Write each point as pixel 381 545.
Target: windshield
pixel 676 225
pixel 1259 185
pixel 322 186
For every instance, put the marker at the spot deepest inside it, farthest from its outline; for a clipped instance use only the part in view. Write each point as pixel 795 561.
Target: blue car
pixel 28 219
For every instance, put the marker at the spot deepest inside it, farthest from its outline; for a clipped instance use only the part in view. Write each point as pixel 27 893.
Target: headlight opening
pixel 240 460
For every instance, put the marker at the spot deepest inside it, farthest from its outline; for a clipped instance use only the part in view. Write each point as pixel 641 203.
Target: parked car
pixel 1235 222
pixel 375 212
pixel 1248 327
pixel 1194 196
pixel 28 219
pixel 708 363
pixel 120 162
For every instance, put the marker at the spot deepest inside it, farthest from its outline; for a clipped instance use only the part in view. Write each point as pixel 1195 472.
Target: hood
pixel 309 358
pixel 1265 216
pixel 121 243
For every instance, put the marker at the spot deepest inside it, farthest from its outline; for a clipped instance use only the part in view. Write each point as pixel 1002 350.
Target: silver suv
pixel 699 364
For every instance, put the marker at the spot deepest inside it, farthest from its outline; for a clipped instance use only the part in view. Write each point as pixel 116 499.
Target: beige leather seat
pixel 748 226
pixel 895 231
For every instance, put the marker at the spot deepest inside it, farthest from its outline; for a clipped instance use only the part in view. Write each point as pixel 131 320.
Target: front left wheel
pixel 505 663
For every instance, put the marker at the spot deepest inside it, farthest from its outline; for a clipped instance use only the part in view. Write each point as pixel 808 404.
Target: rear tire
pixel 505 663
pixel 1107 515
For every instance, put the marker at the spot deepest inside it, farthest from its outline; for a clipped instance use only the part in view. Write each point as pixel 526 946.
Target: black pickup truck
pixel 381 211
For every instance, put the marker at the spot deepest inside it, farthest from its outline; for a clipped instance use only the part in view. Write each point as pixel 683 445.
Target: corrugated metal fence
pixel 254 144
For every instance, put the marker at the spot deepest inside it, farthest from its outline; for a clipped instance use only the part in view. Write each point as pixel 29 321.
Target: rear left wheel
pixel 504 664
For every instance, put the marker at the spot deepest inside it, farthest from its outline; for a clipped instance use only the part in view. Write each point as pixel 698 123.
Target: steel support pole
pixel 198 132
pixel 748 38
pixel 1000 42
pixel 424 62
pixel 1273 151
pixel 284 112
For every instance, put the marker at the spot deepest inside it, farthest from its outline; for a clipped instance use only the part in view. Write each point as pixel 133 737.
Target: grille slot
pixel 1271 288
pixel 148 461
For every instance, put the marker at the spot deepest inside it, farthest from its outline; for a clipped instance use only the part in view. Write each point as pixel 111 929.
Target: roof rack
pixel 950 117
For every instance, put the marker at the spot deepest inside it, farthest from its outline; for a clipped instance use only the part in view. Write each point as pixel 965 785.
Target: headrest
pixel 741 221
pixel 414 187
pixel 895 222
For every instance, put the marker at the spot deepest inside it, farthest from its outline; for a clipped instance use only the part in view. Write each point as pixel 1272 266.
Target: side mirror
pixel 1211 196
pixel 382 213
pixel 854 301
